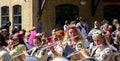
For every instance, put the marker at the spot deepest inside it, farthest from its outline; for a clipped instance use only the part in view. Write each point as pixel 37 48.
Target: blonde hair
pixel 99 34
pixel 96 23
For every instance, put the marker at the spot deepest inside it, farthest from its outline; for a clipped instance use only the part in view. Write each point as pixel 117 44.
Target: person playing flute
pixel 37 50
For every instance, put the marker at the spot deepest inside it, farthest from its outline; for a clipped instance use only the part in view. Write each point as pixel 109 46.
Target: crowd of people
pixel 75 42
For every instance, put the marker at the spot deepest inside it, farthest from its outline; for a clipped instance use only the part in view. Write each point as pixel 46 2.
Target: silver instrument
pixel 76 52
pixel 48 46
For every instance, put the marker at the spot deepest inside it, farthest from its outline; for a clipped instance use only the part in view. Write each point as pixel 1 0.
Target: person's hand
pixel 84 53
pixel 26 53
pixel 10 47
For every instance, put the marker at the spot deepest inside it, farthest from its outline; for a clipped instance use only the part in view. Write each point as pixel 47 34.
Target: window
pixel 17 16
pixel 5 15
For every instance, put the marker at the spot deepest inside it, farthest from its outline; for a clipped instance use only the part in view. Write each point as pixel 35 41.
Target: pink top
pixel 33 34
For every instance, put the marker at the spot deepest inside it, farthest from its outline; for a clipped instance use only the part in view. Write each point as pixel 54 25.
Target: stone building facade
pixel 29 12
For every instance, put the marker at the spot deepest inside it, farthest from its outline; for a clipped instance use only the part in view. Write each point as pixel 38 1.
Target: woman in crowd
pixel 117 40
pixel 89 38
pixel 17 48
pixel 57 49
pixel 109 39
pixel 102 50
pixel 73 41
pixel 53 36
pixel 37 50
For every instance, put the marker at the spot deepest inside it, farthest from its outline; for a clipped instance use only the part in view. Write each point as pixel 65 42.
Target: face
pixel 10 42
pixel 97 40
pixel 118 36
pixel 108 36
pixel 4 32
pixel 36 42
pixel 118 26
pixel 72 32
pixel 54 38
pixel 16 41
pixel 53 32
pixel 27 36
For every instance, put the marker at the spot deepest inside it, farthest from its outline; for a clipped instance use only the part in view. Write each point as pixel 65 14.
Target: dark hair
pixel 14 30
pixel 38 38
pixel 81 19
pixel 2 41
pixel 23 31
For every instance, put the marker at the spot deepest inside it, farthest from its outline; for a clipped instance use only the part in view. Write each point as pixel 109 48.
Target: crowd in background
pixel 75 42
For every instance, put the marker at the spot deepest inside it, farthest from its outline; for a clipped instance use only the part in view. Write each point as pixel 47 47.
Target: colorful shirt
pixel 101 55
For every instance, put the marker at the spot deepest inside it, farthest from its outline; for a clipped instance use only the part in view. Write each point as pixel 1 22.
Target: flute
pixel 21 54
pixel 73 37
pixel 73 53
pixel 77 52
pixel 36 48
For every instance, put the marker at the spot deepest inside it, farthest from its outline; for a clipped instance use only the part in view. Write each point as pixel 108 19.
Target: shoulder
pixel 107 51
pixel 80 44
pixel 21 45
pixel 78 24
pixel 3 53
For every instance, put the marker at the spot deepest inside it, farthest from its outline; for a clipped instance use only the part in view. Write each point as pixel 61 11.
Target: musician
pixel 9 47
pixel 16 49
pixel 37 50
pixel 102 50
pixel 52 37
pixel 4 55
pixel 73 40
pixel 26 38
pixel 57 49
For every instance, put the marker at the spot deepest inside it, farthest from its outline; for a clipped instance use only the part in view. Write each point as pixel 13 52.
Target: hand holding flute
pixel 81 53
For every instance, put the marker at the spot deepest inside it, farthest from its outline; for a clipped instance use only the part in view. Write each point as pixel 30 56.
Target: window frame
pixel 4 15
pixel 17 11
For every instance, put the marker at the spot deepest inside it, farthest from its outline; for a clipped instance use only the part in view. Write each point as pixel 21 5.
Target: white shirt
pixel 4 55
pixel 65 27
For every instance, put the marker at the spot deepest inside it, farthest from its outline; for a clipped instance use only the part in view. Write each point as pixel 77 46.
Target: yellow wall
pixel 27 11
pixel 49 14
